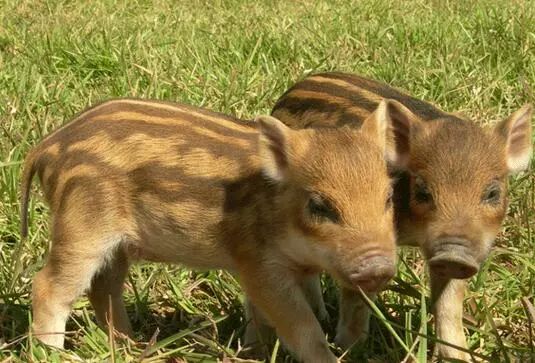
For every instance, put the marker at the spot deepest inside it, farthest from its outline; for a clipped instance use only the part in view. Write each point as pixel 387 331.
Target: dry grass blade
pixel 150 344
pixel 530 312
pixel 111 330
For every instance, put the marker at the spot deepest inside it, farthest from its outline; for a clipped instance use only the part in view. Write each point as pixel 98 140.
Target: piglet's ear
pixel 273 147
pixel 391 124
pixel 516 130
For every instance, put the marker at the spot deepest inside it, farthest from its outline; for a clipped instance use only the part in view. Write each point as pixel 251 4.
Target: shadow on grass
pixel 13 320
pixel 215 338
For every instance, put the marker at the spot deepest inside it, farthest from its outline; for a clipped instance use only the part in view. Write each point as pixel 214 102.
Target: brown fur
pixel 456 160
pixel 132 179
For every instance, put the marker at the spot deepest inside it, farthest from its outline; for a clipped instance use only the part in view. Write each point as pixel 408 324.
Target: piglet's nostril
pixel 374 275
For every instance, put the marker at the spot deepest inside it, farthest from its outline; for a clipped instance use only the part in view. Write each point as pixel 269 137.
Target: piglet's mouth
pixel 452 258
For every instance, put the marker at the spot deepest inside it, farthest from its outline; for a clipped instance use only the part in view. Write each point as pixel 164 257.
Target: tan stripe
pixel 157 120
pixel 79 170
pixel 359 112
pixel 314 118
pixel 188 111
pixel 136 116
pixel 116 154
pixel 290 119
pixel 349 86
pixel 52 150
pixel 76 118
pixel 230 140
pixel 199 162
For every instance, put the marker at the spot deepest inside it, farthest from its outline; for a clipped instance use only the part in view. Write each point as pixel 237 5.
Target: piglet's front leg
pixel 311 285
pixel 353 322
pixel 275 290
pixel 259 335
pixel 447 295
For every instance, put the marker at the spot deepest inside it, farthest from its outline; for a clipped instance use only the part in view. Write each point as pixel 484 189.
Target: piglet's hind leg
pixel 106 288
pixel 66 275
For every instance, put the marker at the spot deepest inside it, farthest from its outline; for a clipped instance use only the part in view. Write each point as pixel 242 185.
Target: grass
pixel 235 56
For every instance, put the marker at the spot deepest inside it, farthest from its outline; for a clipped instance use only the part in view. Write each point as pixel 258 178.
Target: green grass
pixel 234 56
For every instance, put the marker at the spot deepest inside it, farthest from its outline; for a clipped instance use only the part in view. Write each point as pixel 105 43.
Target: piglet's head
pixel 457 181
pixel 337 194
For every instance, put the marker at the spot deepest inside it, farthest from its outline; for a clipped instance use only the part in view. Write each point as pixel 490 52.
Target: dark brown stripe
pixel 120 129
pixel 333 112
pixel 147 178
pixel 90 186
pixel 113 106
pixel 175 122
pixel 299 105
pixel 358 99
pixel 423 109
pixel 68 162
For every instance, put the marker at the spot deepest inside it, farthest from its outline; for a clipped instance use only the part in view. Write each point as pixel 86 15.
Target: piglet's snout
pixel 374 273
pixel 452 258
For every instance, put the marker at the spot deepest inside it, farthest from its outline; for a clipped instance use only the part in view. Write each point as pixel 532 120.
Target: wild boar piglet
pixel 132 179
pixel 451 193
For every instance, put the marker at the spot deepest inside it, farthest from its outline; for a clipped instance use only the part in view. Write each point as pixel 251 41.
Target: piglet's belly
pixel 187 253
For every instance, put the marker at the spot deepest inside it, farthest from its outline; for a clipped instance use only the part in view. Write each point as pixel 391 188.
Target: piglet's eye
pixel 492 193
pixel 421 193
pixel 321 209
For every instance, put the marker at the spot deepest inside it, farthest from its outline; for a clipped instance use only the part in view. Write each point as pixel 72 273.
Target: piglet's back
pixel 142 140
pixel 338 99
